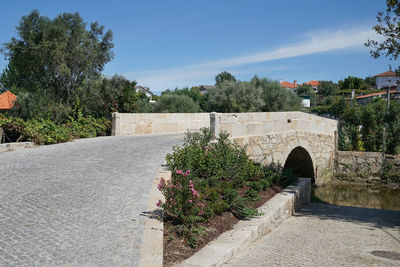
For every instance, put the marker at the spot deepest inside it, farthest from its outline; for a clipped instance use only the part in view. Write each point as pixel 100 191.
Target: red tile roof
pixel 313 83
pixel 378 94
pixel 7 100
pixel 288 84
pixel 386 73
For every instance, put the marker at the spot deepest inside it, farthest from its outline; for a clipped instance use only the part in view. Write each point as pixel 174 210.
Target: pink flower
pixel 179 172
pixel 161 184
pixel 187 173
pixel 190 200
pixel 159 203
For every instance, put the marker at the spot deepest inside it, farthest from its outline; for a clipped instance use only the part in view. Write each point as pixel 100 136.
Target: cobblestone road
pixel 327 235
pixel 78 203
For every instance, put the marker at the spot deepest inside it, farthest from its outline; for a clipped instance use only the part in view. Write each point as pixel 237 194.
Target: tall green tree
pixel 276 98
pixel 174 103
pixel 389 28
pixel 100 97
pixel 370 81
pixel 54 57
pixel 231 96
pixel 224 76
pixel 327 88
pixel 352 82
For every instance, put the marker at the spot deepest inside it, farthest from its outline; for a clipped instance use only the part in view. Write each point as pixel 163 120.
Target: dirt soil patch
pixel 176 248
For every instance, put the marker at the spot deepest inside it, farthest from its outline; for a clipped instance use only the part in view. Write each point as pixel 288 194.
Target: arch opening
pixel 300 162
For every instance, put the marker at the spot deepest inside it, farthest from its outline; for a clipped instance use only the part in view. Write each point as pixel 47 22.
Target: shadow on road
pixel 373 217
pixel 154 214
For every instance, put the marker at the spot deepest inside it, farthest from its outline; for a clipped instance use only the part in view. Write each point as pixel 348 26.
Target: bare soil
pixel 176 248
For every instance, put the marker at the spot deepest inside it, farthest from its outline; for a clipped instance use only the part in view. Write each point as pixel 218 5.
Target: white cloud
pixel 199 73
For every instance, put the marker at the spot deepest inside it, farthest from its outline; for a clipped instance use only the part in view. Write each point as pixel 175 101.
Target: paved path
pixel 327 235
pixel 78 203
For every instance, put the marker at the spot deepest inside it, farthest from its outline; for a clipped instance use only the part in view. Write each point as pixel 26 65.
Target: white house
pixel 386 79
pixel 145 90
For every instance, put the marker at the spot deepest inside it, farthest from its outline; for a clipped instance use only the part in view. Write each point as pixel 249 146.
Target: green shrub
pixel 219 167
pixel 48 132
pixel 181 198
pixel 174 103
pixel 219 170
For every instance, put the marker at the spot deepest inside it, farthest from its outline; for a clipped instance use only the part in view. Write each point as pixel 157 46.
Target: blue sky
pixel 168 44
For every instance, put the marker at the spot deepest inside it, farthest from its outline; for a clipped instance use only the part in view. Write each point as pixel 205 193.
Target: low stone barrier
pixel 367 167
pixel 124 124
pixel 12 146
pixel 263 123
pixel 151 250
pixel 274 212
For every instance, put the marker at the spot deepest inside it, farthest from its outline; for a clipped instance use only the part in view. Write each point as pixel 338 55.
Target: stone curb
pixel 151 252
pixel 244 233
pixel 12 146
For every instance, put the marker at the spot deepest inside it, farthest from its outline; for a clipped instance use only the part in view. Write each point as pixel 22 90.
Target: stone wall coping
pixel 366 154
pixel 285 132
pixel 151 249
pixel 301 113
pixel 274 212
pixel 359 154
pixel 12 146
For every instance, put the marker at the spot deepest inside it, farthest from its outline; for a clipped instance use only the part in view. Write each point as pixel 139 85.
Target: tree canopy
pixel 254 96
pixel 389 28
pixel 55 56
pixel 352 82
pixel 224 76
pixel 175 103
pixel 327 88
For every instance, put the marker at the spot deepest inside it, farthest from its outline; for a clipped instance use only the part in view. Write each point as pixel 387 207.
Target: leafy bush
pixel 49 132
pixel 174 103
pixel 235 96
pixel 181 198
pixel 221 178
pixel 362 127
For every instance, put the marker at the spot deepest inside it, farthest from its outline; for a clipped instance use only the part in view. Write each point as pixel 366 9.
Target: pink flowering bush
pixel 182 200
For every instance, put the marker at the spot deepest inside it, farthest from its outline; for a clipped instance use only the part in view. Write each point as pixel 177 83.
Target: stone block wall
pixel 268 136
pixel 258 123
pixel 367 167
pixel 124 124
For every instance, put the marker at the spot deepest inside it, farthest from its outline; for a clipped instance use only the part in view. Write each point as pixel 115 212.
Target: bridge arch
pixel 299 160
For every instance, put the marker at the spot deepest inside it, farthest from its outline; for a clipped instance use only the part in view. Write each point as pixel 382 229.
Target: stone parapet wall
pixel 367 167
pixel 124 124
pixel 269 137
pixel 260 123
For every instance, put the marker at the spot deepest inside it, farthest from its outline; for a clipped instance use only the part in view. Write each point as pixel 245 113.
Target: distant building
pixel 290 86
pixel 314 85
pixel 205 88
pixel 386 79
pixel 306 102
pixel 145 90
pixel 7 100
pixel 365 99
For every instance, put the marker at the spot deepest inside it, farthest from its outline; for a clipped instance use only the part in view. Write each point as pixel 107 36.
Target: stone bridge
pixel 296 140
